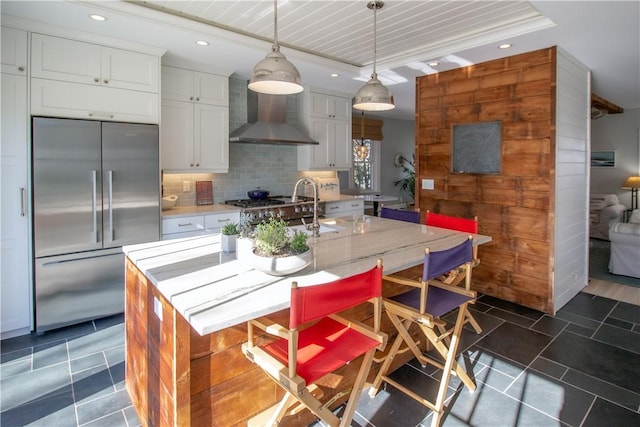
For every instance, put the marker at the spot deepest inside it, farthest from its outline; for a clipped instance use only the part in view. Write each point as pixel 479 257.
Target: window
pixel 365 172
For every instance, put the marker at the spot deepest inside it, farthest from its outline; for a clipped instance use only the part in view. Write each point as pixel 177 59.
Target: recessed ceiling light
pixel 433 64
pixel 97 17
pixel 335 75
pixel 202 43
pixel 504 46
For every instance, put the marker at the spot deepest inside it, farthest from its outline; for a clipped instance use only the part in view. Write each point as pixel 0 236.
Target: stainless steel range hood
pixel 267 122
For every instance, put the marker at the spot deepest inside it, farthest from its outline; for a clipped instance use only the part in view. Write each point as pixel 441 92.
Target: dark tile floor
pixel 580 368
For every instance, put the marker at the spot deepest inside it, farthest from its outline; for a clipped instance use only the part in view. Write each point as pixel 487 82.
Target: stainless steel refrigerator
pixel 95 189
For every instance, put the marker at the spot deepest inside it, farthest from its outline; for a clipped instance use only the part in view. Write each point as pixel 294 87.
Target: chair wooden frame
pixel 445 341
pixel 309 317
pixel 456 277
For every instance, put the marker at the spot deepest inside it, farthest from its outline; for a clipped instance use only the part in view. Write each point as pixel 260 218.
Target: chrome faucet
pixel 314 226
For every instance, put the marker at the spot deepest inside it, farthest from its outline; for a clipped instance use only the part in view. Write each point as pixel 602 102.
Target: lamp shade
pixel 373 96
pixel 632 182
pixel 275 75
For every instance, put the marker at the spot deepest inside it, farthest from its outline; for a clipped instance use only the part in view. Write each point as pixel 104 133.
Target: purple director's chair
pixel 425 304
pixel 400 214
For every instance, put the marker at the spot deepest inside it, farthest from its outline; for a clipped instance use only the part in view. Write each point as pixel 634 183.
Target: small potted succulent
pixel 278 251
pixel 230 233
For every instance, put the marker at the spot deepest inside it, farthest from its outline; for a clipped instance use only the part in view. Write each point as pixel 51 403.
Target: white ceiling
pixel 322 36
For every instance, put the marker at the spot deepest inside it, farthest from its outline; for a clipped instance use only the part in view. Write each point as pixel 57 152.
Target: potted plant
pixel 408 182
pixel 244 242
pixel 278 251
pixel 230 233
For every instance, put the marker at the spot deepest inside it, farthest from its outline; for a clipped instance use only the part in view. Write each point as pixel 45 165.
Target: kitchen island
pixel 187 304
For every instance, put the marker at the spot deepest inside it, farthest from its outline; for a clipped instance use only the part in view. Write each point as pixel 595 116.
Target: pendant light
pixel 374 96
pixel 362 151
pixel 275 75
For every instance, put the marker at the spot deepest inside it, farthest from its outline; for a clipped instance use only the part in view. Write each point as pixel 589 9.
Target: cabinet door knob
pixel 95 79
pixel 197 165
pixel 191 165
pixel 106 81
pixel 198 99
pixel 191 98
pixel 21 68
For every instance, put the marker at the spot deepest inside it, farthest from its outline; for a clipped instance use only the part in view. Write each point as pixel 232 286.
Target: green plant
pixel 299 243
pixel 273 239
pixel 230 229
pixel 408 182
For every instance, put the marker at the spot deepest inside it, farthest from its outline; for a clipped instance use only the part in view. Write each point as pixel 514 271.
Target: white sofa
pixel 603 209
pixel 625 246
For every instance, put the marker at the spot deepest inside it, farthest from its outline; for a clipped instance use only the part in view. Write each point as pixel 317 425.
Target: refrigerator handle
pixel 23 202
pixel 94 178
pixel 110 181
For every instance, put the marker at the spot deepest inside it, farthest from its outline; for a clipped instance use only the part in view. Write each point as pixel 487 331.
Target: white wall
pixel 398 137
pixel 617 132
pixel 572 176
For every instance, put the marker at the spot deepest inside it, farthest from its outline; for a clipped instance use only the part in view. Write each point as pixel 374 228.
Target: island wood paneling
pixel 515 207
pixel 176 377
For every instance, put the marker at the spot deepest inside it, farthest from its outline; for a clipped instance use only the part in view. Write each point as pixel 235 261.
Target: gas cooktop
pixel 269 201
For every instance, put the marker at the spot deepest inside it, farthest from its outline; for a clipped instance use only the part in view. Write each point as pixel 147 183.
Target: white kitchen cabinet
pixel 196 225
pixel 64 99
pixel 194 137
pixel 14 51
pixel 329 106
pixel 335 149
pixel 338 208
pixel 74 61
pixel 179 84
pixel 327 119
pixel 213 223
pixel 15 284
pixel 179 227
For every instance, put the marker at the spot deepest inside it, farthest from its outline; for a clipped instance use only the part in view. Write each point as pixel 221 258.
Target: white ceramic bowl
pixel 169 201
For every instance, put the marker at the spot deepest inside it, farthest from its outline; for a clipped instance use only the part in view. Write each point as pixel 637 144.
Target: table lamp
pixel 633 182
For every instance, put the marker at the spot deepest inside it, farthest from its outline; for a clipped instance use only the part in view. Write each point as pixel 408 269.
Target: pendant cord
pixel 275 25
pixel 375 47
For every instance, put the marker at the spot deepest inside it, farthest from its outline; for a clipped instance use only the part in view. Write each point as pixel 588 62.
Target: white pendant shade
pixel 374 96
pixel 275 75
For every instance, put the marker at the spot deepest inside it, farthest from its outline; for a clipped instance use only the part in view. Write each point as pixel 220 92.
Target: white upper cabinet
pixel 327 118
pixel 14 51
pixel 329 106
pixel 74 61
pixel 193 86
pixel 194 137
pixel 194 133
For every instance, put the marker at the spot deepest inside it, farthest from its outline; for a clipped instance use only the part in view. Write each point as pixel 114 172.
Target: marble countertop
pixel 213 290
pixel 184 211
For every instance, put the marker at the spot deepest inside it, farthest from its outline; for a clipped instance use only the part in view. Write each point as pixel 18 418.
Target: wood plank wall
pixel 516 206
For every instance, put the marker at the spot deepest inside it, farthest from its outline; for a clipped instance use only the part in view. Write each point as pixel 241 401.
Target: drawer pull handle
pixel 224 220
pixel 334 207
pixel 355 205
pixel 185 225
